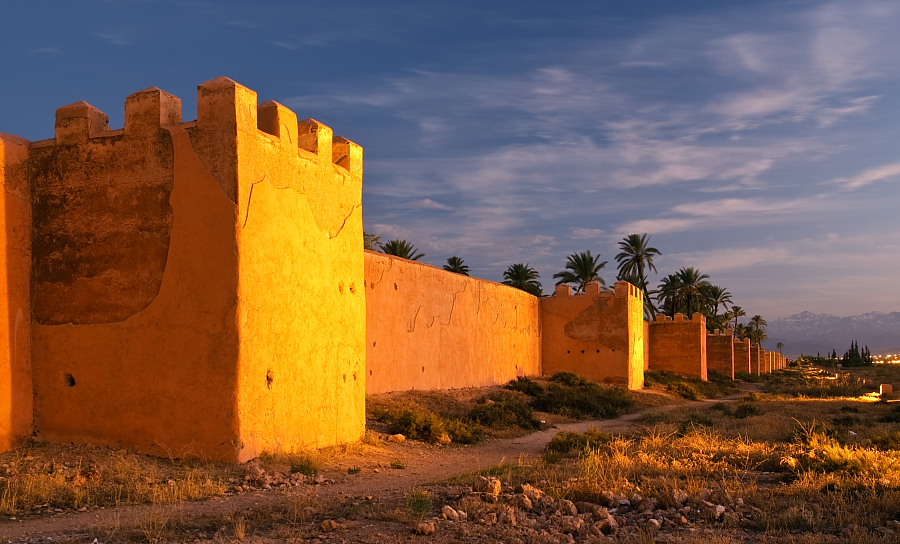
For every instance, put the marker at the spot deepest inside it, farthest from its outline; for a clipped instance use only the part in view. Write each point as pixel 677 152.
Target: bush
pixel 748 377
pixel 693 421
pixel 746 410
pixel 689 388
pixel 891 417
pixel 566 442
pixel 420 424
pixel 504 413
pixel 527 386
pixel 889 441
pixel 571 396
pixel 845 421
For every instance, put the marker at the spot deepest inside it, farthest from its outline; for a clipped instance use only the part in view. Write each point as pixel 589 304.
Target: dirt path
pixel 423 464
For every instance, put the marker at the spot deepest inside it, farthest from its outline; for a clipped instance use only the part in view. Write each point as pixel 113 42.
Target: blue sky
pixel 756 141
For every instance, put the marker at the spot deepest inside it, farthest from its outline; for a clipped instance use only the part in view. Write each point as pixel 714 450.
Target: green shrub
pixel 722 407
pixel 418 503
pixel 527 386
pixel 694 420
pixel 426 426
pixel 304 465
pixel 504 413
pixel 568 378
pixel 582 399
pixel 888 441
pixel 845 421
pixel 893 416
pixel 689 388
pixel 746 410
pixel 748 377
pixel 566 442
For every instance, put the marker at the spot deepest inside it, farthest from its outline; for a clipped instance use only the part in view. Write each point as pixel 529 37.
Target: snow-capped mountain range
pixel 811 333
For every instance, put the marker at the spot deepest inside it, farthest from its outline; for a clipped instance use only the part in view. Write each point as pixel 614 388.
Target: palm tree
pixel 716 296
pixel 735 313
pixel 633 262
pixel 691 288
pixel 757 326
pixel 778 346
pixel 668 293
pixel 741 331
pixel 636 257
pixel 521 276
pixel 456 264
pixel 401 248
pixel 371 241
pixel 581 268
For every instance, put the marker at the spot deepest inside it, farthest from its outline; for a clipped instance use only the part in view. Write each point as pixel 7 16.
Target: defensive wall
pixel 200 289
pixel 16 389
pixel 720 352
pixel 679 345
pixel 596 334
pixel 196 288
pixel 427 328
pixel 755 359
pixel 741 355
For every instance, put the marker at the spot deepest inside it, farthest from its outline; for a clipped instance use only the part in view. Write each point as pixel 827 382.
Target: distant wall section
pixel 679 345
pixel 597 334
pixel 720 352
pixel 431 329
pixel 742 355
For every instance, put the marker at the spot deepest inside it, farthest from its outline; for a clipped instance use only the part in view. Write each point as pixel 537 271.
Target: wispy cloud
pixel 49 51
pixel 586 234
pixel 428 204
pixel 871 175
pixel 731 213
pixel 286 45
pixel 113 38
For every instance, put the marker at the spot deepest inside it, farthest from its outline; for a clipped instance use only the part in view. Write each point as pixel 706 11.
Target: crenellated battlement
pixel 621 289
pixel 680 318
pixel 224 107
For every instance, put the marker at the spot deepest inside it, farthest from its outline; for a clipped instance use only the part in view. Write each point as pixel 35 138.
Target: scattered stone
pixel 445 439
pixel 654 524
pixel 329 525
pixel 449 513
pixel 530 491
pixel 398 438
pixel 425 528
pixel 488 486
pixel 566 508
pixel 523 502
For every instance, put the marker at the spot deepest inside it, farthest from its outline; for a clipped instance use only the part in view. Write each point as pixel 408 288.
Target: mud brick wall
pixel 679 345
pixel 431 329
pixel 596 334
pixel 720 352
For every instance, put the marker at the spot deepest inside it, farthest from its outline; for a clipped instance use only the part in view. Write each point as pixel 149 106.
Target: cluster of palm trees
pixel 686 291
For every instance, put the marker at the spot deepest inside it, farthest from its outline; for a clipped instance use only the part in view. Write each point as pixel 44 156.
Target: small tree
pixel 581 268
pixel 522 276
pixel 401 248
pixel 456 264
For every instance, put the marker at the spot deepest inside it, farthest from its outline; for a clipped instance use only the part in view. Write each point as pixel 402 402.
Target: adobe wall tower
pixel 197 288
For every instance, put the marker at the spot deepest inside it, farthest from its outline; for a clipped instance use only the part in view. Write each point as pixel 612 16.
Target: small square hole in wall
pixel 270 379
pixel 69 380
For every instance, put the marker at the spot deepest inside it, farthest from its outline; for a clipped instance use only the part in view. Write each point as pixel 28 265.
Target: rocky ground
pixel 410 491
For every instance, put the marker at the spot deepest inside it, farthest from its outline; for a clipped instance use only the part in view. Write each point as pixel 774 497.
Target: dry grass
pixel 44 478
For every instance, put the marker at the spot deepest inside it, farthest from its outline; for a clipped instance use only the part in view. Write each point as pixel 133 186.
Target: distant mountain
pixel 811 333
